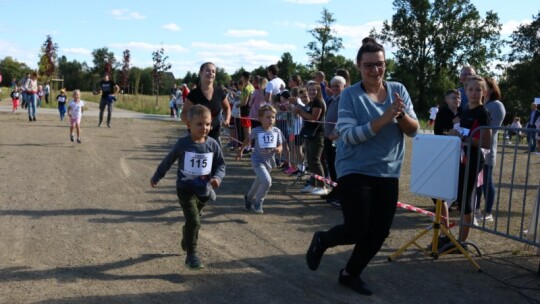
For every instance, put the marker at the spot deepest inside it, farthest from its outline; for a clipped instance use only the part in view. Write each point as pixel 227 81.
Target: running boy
pixel 75 110
pixel 268 141
pixel 201 168
pixel 61 98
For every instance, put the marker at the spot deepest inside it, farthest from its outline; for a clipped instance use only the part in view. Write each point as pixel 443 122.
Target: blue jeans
pixel 531 139
pixel 31 100
pixel 488 188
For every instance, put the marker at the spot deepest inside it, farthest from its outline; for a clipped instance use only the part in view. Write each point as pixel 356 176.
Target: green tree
pixel 104 61
pixel 12 69
pixel 521 80
pixel 326 42
pixel 160 67
pixel 47 58
pixel 436 38
pixel 286 66
pixel 222 78
pixel 74 74
pixel 125 69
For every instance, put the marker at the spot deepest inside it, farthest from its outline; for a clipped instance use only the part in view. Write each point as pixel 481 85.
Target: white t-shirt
pixel 274 86
pixel 76 108
pixel 433 112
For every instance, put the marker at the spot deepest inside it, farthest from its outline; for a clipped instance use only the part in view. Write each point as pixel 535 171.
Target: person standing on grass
pixel 211 96
pixel 201 168
pixel 374 116
pixel 107 88
pixel 268 141
pixel 75 110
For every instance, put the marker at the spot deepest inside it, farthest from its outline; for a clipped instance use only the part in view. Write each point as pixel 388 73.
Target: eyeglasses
pixel 372 65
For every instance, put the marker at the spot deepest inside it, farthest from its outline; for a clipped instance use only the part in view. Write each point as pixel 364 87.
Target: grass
pixel 138 103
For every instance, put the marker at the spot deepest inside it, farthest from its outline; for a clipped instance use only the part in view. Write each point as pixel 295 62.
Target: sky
pixel 230 33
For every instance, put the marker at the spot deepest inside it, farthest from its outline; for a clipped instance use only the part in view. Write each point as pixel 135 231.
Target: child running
pixel 268 141
pixel 15 99
pixel 61 99
pixel 201 168
pixel 75 110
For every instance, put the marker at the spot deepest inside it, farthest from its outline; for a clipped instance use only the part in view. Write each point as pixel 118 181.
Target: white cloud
pixel 171 27
pixel 509 27
pixel 76 51
pixel 125 14
pixel 172 48
pixel 246 33
pixel 308 1
pixel 18 53
pixel 261 45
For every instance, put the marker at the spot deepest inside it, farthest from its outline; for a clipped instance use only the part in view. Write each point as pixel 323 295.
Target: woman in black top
pixel 210 96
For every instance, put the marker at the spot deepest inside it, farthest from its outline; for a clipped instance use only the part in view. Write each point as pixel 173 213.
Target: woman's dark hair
pixel 345 74
pixel 371 46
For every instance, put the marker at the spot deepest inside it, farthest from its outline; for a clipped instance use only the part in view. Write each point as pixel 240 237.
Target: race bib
pixel 198 163
pixel 267 140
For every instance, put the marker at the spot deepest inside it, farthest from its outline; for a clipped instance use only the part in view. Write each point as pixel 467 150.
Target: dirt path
pixel 80 224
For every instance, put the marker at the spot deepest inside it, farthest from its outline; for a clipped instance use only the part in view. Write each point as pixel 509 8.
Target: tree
pixel 47 59
pixel 12 69
pixel 104 61
pixel 435 39
pixel 125 70
pixel 160 67
pixel 74 74
pixel 326 42
pixel 521 80
pixel 287 66
pixel 525 41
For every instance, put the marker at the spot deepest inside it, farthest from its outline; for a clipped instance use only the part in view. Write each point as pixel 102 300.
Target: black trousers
pixel 368 205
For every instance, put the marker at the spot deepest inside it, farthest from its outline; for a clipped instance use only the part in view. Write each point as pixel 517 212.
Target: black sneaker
pixel 79 140
pixel 315 251
pixel 450 248
pixel 72 138
pixel 193 262
pixel 248 203
pixel 354 283
pixel 34 118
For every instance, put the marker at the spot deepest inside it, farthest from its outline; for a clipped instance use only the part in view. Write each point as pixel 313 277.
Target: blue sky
pixel 230 33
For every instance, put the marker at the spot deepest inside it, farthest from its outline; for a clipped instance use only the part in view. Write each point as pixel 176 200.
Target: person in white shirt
pixel 75 110
pixel 274 86
pixel 432 115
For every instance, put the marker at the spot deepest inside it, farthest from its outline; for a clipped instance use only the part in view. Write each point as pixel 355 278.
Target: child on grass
pixel 75 110
pixel 268 141
pixel 201 168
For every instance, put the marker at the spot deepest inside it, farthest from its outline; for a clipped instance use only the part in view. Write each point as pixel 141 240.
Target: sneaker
pixel 295 172
pixel 475 221
pixel 478 213
pixel 193 262
pixel 78 140
pixel 108 125
pixel 442 242
pixel 99 126
pixel 289 170
pixel 315 251
pixel 72 138
pixel 258 209
pixel 318 191
pixel 34 118
pixel 489 217
pixel 247 203
pixel 307 189
pixel 29 118
pixel 452 248
pixel 354 283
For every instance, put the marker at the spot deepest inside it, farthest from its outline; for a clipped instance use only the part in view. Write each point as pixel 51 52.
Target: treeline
pixel 432 41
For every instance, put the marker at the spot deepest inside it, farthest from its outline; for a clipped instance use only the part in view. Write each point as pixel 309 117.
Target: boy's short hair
pixel 452 91
pixel 265 108
pixel 198 110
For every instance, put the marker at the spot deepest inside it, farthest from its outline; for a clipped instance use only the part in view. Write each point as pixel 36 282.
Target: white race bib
pixel 267 140
pixel 198 163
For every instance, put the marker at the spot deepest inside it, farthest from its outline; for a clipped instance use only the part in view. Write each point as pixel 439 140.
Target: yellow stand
pixel 435 239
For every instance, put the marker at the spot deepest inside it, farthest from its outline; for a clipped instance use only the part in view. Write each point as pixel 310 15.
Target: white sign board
pixel 435 166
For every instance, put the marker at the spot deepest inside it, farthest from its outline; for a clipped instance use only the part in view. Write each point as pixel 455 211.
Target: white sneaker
pixel 319 191
pixel 307 189
pixel 475 221
pixel 478 213
pixel 489 217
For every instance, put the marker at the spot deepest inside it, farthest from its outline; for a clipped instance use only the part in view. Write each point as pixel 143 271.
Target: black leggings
pixel 368 205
